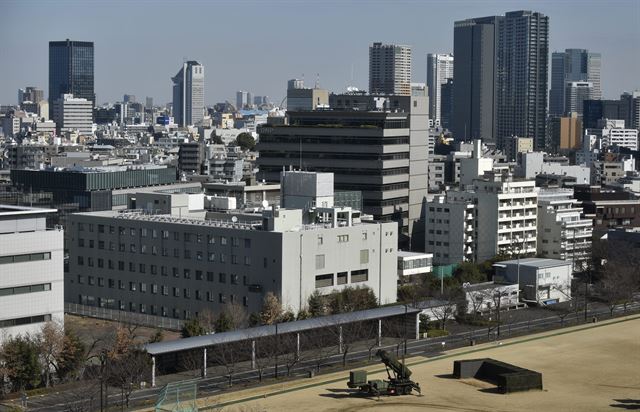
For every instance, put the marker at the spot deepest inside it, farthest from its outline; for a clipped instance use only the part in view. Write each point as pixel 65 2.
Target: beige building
pixel 566 132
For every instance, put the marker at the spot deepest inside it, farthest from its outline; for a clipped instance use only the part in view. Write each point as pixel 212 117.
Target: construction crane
pixel 398 382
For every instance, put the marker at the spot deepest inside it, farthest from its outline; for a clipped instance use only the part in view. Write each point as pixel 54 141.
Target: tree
pixel 352 299
pixel 287 316
pixel 317 305
pixel 158 336
pixel 469 272
pixel 71 358
pixel 192 327
pixel 223 322
pixel 271 309
pixel 50 343
pixel 128 370
pixel 246 141
pixel 446 308
pixel 303 314
pixel 20 358
pixel 237 314
pixel 617 285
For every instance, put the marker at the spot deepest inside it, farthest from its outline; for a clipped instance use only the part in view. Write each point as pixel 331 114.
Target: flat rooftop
pixel 535 262
pixel 10 210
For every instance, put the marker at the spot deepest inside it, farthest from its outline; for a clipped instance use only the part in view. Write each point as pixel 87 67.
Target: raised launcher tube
pixel 390 361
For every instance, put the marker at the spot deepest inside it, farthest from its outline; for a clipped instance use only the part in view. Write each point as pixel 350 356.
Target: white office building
pixel 575 95
pixel 179 263
pixel 439 70
pixel 73 114
pixel 542 281
pixel 562 232
pixel 31 271
pixel 613 133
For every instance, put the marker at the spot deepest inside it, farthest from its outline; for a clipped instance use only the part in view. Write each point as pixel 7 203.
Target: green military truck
pixel 397 384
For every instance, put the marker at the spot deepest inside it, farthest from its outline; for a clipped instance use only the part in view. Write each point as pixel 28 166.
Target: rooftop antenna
pixel 317 86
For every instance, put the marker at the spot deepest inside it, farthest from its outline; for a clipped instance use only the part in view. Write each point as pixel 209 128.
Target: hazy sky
pixel 258 45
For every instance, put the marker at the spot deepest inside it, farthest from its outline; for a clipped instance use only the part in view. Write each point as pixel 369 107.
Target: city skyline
pixel 259 58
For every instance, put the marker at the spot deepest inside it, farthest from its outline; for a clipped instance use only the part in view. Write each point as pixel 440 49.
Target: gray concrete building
pixel 475 47
pixel 73 114
pixel 178 264
pixel 523 54
pixel 188 94
pixel 439 71
pixel 572 65
pixel 381 154
pixel 389 69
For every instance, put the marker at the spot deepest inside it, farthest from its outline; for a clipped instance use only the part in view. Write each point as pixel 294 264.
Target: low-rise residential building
pixel 562 231
pixel 176 266
pixel 31 271
pixel 608 208
pixel 541 281
pixel 413 264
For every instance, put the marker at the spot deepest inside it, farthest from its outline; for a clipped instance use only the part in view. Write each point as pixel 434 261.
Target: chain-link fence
pixel 141 319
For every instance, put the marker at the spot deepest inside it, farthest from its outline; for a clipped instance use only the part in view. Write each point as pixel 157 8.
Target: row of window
pixel 29 257
pixel 19 290
pixel 341 278
pixel 165 234
pixel 186 273
pixel 211 257
pixel 110 303
pixel 6 323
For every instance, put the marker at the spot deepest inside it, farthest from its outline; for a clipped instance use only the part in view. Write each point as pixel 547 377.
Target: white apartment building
pixel 474 167
pixel 31 271
pixel 532 164
pixel 562 232
pixel 413 264
pixel 73 113
pixel 542 281
pixel 439 69
pixel 505 215
pixel 612 132
pixel 450 230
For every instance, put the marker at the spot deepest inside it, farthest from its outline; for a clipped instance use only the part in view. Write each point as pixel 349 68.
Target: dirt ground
pixel 588 369
pixel 90 329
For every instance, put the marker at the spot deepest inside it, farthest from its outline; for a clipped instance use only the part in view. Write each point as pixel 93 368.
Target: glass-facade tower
pixel 71 70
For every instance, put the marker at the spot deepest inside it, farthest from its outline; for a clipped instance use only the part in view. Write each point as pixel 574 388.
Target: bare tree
pixel 321 344
pixel 229 356
pixel 50 342
pixel 127 370
pixel 447 304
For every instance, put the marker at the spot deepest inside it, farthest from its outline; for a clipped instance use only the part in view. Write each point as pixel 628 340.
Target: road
pixel 58 402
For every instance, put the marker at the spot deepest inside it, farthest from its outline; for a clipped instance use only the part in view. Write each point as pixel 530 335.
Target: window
pixel 222 277
pixel 319 262
pixel 111 283
pixel 364 235
pixel 187 237
pixel 234 279
pixel 359 275
pixel 209 297
pixel 132 248
pixel 100 281
pixel 187 274
pixel 247 261
pixel 320 240
pixel 81 242
pixel 164 271
pixel 143 288
pixel 101 244
pixel 245 301
pixel 154 269
pixel 209 276
pixel 176 253
pixel 323 281
pixel 211 257
pixel 343 238
pixel 198 275
pixel 234 259
pixel 91 280
pixel 235 241
pixel 121 284
pixel 165 290
pixel 342 278
pixel 198 255
pixel 211 239
pixel 41 287
pixel 143 268
pixel 222 298
pixel 132 267
pixel 90 261
pixel 165 234
pixel 187 254
pixel 198 294
pixel 132 232
pixel 176 274
pixel 143 232
pixel 364 256
pixel 80 260
pixel 247 243
pixel 223 240
pixel 186 293
pixel 176 292
pixel 132 286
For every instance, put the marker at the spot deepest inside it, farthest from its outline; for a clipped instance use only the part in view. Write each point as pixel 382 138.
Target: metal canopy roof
pixel 203 341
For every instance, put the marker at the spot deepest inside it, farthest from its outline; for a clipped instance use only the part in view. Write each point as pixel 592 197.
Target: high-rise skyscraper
pixel 522 59
pixel 242 99
pixel 575 95
pixel 30 94
pixel 572 65
pixel 389 69
pixel 71 70
pixel 439 70
pixel 188 94
pixel 475 43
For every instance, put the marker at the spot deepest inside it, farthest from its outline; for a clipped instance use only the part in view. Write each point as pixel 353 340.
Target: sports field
pixel 593 368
